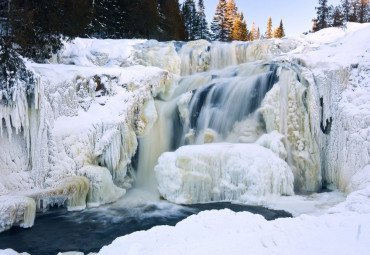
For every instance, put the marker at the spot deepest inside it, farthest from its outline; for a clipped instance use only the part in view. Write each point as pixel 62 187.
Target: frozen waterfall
pixel 230 105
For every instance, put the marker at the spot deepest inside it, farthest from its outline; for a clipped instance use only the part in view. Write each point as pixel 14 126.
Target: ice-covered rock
pixel 217 172
pixel 16 210
pixel 102 189
pixel 286 109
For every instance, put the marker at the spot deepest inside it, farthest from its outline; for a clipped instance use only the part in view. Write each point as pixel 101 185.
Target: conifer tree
pixel 203 24
pixel 353 17
pixel 322 14
pixel 336 17
pixel 346 7
pixel 239 30
pixel 172 25
pixel 363 8
pixel 279 31
pixel 231 13
pixel 269 34
pixel 141 17
pixel 99 19
pixel 191 19
pixel 253 32
pixel 220 25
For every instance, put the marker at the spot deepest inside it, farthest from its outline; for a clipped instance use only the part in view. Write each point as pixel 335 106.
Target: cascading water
pixel 231 93
pixel 210 107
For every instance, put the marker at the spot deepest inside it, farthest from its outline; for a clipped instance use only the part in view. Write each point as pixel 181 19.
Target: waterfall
pixel 214 106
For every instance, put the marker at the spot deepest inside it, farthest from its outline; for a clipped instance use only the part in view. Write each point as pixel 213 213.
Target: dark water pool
pixel 59 230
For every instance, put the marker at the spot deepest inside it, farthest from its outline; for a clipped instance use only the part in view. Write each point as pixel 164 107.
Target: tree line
pixel 228 24
pixel 346 11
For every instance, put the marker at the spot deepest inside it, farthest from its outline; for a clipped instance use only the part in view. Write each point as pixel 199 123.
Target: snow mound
pixel 227 232
pixel 216 172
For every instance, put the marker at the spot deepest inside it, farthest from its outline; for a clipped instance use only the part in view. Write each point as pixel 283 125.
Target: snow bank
pixel 12 252
pixel 226 232
pixel 217 172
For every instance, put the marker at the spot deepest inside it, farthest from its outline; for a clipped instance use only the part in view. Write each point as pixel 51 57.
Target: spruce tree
pixel 253 32
pixel 322 14
pixel 337 17
pixel 363 8
pixel 353 17
pixel 279 31
pixel 99 15
pixel 269 34
pixel 203 24
pixel 231 14
pixel 191 19
pixel 258 37
pixel 172 25
pixel 239 30
pixel 346 7
pixel 220 23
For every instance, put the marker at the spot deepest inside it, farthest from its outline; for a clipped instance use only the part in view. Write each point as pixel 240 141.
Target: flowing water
pixel 58 230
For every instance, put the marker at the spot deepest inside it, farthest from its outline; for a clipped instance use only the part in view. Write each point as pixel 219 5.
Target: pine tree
pixel 258 37
pixel 98 26
pixel 346 7
pixel 253 32
pixel 191 19
pixel 322 14
pixel 239 30
pixel 203 24
pixel 220 23
pixel 337 17
pixel 115 25
pixel 279 31
pixel 141 17
pixel 269 34
pixel 363 8
pixel 353 17
pixel 172 26
pixel 231 13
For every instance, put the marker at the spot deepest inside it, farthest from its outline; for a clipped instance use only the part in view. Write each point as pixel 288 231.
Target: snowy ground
pixel 80 127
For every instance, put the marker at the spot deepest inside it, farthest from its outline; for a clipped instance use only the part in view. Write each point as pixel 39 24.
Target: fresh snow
pixel 227 232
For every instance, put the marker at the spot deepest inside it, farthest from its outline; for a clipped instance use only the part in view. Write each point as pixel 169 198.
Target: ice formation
pixel 102 102
pixel 16 210
pixel 218 172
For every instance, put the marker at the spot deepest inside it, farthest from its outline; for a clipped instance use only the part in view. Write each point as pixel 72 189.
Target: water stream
pixel 58 230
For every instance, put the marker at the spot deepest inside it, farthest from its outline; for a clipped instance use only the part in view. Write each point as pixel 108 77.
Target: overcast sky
pixel 297 15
